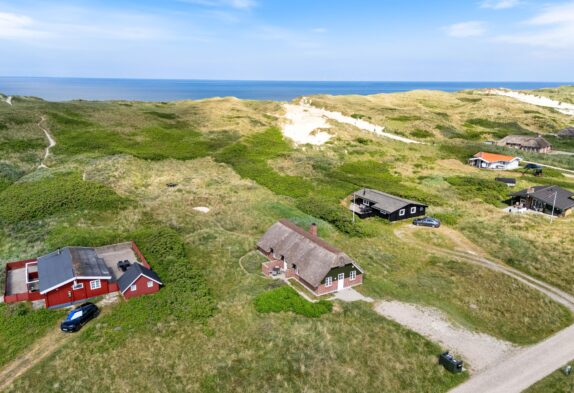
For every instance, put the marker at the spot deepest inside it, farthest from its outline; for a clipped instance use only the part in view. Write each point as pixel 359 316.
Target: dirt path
pixel 550 166
pixel 51 141
pixel 468 252
pixel 9 100
pixel 479 349
pixel 34 355
pixel 524 368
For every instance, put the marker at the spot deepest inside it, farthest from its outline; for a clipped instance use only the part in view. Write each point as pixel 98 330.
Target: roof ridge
pixel 315 239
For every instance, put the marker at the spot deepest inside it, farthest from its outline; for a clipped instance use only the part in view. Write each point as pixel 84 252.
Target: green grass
pixel 497 128
pixel 20 326
pixel 58 194
pixel 472 187
pixel 286 299
pixel 557 382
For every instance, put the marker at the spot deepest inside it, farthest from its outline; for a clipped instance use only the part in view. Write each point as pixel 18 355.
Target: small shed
pixel 509 181
pixel 138 280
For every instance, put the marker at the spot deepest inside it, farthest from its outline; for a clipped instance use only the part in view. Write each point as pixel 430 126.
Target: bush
pixel 55 195
pixel 487 190
pixel 328 210
pixel 418 133
pixel 284 299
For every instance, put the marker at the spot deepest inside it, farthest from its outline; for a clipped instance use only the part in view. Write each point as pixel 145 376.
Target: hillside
pixel 106 180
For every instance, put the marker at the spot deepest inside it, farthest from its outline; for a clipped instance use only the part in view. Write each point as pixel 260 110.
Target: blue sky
pixel 482 40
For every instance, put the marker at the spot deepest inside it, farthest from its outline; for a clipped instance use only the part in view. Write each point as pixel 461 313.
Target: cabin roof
pixel 385 202
pixel 492 157
pixel 66 264
pixel 133 272
pixel 313 256
pixel 546 194
pixel 537 142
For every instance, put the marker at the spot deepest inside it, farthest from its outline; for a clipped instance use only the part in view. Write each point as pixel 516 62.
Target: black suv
pixel 427 222
pixel 79 316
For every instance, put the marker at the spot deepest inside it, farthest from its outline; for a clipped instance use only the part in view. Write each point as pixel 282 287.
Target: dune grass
pixel 557 382
pixel 285 298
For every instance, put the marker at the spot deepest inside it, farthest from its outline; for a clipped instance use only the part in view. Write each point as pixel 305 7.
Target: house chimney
pixel 530 190
pixel 313 230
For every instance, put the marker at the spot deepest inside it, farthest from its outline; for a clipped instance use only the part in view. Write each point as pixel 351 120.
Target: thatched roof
pixel 535 142
pixel 567 132
pixel 313 256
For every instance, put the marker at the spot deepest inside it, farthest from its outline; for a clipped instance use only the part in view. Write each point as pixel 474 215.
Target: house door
pixel 340 281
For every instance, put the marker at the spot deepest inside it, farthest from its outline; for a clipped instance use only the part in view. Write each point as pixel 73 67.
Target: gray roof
pixel 546 194
pixel 536 142
pixel 66 264
pixel 568 132
pixel 385 202
pixel 313 256
pixel 133 272
pixel 507 180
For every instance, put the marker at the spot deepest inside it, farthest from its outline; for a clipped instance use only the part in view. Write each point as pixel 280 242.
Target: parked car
pixel 79 316
pixel 427 222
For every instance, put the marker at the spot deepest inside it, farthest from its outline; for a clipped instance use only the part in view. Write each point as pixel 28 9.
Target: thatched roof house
pixel 567 132
pixel 305 256
pixel 527 143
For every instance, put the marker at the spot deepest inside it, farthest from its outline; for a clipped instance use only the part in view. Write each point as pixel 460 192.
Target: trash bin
pixel 450 363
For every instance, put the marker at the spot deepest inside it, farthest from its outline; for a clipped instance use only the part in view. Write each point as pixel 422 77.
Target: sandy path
pixel 34 355
pixel 563 107
pixel 471 253
pixel 550 166
pixel 9 100
pixel 51 141
pixel 478 349
pixel 524 368
pixel 303 121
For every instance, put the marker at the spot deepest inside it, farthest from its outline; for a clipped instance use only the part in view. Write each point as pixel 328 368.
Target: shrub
pixel 328 210
pixel 285 298
pixel 418 133
pixel 55 195
pixel 487 190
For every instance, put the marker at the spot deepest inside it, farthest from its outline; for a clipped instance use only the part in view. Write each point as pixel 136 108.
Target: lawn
pixel 221 326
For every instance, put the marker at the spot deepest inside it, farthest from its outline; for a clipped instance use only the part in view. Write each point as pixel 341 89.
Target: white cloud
pixel 466 29
pixel 17 26
pixel 500 4
pixel 553 27
pixel 319 30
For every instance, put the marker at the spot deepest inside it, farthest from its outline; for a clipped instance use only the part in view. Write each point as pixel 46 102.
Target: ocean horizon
pixel 66 89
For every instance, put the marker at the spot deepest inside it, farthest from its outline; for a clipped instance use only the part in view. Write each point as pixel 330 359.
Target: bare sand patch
pixel 562 107
pixel 202 209
pixel 478 349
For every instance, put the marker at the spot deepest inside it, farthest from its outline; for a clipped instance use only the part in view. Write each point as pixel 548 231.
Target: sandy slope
pixel 562 107
pixel 305 124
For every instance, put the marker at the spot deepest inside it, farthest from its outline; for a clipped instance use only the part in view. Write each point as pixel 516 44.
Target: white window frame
pixel 413 210
pixel 328 281
pixel 353 275
pixel 133 287
pixel 77 286
pixel 402 212
pixel 150 284
pixel 95 284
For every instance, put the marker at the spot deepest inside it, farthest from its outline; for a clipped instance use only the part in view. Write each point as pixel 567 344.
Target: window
pixel 150 284
pixel 353 274
pixel 95 284
pixel 413 210
pixel 134 288
pixel 402 212
pixel 78 285
pixel 328 281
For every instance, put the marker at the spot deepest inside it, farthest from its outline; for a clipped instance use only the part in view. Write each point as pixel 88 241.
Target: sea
pixel 65 89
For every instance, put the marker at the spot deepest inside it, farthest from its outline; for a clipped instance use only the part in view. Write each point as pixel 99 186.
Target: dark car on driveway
pixel 427 222
pixel 79 316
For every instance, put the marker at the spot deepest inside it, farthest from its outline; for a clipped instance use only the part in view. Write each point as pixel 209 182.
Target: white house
pixel 494 161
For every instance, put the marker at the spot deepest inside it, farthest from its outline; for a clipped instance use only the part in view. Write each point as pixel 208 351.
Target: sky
pixel 361 40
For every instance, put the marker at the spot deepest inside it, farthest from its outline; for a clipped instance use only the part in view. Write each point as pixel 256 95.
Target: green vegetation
pixel 557 382
pixel 422 134
pixel 497 128
pixel 285 298
pixel 487 190
pixel 55 195
pixel 20 326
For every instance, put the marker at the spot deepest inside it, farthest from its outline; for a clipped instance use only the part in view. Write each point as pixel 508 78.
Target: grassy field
pixel 107 182
pixel 557 382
